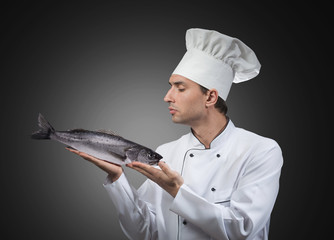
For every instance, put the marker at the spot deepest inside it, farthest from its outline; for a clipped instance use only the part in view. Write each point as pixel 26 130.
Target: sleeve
pixel 250 204
pixel 136 217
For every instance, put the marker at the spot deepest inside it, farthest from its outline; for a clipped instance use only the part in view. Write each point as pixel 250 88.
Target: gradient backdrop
pixel 106 66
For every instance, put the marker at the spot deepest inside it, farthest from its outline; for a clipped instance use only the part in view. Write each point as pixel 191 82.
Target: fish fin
pixel 119 157
pixel 77 130
pixel 110 132
pixel 45 129
pixel 71 147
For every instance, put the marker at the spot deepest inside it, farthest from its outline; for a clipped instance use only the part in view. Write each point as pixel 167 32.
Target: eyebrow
pixel 177 83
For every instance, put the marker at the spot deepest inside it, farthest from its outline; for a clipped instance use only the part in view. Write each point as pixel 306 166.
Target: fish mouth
pixel 154 163
pixel 159 157
pixel 157 160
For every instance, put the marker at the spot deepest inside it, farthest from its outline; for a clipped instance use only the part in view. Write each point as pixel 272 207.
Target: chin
pixel 178 120
pixel 175 119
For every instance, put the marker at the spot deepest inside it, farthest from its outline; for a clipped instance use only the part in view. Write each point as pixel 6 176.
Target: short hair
pixel 220 104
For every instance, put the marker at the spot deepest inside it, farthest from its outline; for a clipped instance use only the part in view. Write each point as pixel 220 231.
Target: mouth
pixel 172 110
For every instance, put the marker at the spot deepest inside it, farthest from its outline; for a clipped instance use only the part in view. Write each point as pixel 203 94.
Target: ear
pixel 211 97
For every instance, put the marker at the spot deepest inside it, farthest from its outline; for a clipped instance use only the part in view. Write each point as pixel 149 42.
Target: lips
pixel 172 110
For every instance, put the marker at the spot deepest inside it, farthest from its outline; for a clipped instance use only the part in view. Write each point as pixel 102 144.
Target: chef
pixel 216 182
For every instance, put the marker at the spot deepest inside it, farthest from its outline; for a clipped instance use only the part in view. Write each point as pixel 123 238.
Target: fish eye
pixel 151 155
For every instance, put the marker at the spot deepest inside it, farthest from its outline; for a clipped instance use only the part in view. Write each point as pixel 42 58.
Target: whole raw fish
pixel 102 145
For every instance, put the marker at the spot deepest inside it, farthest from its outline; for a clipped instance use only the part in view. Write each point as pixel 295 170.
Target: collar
pixel 216 142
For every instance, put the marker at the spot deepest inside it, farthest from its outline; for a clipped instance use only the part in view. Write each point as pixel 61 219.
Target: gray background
pixel 107 65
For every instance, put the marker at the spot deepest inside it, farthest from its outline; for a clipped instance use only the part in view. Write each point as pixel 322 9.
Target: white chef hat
pixel 215 60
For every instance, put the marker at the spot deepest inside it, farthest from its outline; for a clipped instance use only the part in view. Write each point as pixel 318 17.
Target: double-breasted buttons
pixel 192 155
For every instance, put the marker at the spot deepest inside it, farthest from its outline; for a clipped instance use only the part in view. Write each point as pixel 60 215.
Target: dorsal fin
pixel 107 132
pixel 78 130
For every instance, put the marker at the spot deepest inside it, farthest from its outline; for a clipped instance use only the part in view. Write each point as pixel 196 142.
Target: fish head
pixel 148 156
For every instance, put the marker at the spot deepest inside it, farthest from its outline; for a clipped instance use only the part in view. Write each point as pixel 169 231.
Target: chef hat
pixel 215 60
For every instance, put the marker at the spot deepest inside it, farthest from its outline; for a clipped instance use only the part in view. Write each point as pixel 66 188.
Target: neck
pixel 209 129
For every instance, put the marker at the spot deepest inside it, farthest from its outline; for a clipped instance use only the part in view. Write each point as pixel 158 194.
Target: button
pixel 191 155
pixel 218 155
pixel 184 222
pixel 213 189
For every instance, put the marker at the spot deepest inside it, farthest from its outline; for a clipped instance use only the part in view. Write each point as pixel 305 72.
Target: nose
pixel 169 96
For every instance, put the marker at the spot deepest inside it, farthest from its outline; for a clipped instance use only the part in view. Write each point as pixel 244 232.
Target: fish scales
pixel 106 146
pixel 89 141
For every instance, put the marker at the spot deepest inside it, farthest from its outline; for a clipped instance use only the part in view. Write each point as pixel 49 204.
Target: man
pixel 218 181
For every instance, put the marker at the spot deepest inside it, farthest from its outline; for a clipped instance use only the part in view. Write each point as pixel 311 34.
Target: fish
pixel 100 144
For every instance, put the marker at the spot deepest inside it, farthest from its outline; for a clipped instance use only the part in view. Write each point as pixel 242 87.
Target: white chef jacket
pixel 229 190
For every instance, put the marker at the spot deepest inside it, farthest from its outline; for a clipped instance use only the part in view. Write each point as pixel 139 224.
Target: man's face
pixel 186 101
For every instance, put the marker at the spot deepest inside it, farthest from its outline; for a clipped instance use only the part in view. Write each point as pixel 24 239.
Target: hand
pixel 114 171
pixel 166 178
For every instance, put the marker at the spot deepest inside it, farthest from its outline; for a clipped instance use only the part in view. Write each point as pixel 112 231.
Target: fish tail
pixel 45 129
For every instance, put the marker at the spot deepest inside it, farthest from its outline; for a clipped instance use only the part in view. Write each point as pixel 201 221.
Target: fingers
pixel 84 155
pixel 145 173
pixel 72 150
pixel 166 178
pixel 145 169
pixel 155 174
pixel 166 169
pixel 139 165
pixel 114 171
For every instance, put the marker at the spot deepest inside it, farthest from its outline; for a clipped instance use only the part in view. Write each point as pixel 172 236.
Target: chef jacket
pixel 229 190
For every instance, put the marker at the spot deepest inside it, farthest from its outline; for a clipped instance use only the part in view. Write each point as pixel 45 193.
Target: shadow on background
pixel 106 66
